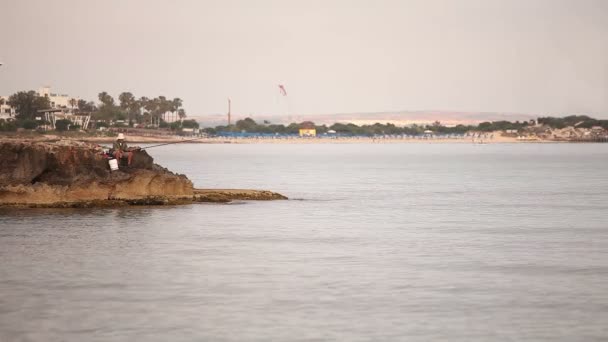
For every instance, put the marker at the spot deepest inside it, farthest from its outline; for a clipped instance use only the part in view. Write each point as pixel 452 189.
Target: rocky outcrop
pixel 76 174
pixel 46 173
pixel 229 195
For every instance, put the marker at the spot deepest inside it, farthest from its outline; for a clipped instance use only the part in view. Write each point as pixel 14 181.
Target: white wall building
pixel 56 100
pixel 6 112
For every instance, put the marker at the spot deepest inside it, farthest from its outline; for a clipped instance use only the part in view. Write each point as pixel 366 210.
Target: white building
pixel 6 112
pixel 57 101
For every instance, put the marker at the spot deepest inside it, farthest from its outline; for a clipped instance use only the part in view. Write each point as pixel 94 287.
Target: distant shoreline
pixel 133 139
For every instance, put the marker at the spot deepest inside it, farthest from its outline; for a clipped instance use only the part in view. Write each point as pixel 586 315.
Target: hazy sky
pixel 524 56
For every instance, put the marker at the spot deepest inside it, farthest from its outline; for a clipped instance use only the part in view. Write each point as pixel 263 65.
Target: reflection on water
pixel 382 242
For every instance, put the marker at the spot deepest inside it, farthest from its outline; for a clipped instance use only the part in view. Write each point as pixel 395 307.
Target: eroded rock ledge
pixel 76 174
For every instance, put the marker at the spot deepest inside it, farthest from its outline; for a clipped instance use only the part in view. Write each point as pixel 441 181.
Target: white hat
pixel 120 136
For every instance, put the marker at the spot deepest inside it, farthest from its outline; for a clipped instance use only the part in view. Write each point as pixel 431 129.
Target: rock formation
pixel 73 174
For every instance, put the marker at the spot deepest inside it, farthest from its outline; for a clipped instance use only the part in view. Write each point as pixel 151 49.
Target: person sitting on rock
pixel 120 149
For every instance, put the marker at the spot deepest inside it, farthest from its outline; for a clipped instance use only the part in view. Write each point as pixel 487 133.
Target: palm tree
pixel 73 102
pixel 125 98
pixel 106 99
pixel 126 104
pixel 146 117
pixel 155 111
pixel 182 114
pixel 145 103
pixel 135 110
pixel 163 107
pixel 176 105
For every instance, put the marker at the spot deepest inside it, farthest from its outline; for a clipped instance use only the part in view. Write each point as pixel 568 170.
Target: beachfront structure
pixel 6 112
pixel 62 107
pixel 307 129
pixel 51 116
pixel 58 100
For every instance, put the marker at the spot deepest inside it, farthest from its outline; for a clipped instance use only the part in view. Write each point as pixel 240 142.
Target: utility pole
pixel 229 105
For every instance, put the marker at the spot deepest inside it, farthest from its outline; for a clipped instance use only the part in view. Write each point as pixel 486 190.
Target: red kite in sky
pixel 282 90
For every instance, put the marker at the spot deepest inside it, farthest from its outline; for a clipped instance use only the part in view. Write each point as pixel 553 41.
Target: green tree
pixel 86 107
pixel 149 106
pixel 130 105
pixel 164 106
pixel 27 104
pixel 292 128
pixel 176 107
pixel 175 125
pixel 181 113
pixel 134 111
pixel 106 99
pixel 190 124
pixel 153 108
pixel 247 125
pixel 106 113
pixel 7 125
pixel 146 118
pixel 126 99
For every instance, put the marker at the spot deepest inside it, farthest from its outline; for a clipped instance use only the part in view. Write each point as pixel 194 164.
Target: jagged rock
pixel 228 195
pixel 44 173
pixel 70 174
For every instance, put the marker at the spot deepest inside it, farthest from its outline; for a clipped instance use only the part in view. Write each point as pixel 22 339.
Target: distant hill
pixel 401 118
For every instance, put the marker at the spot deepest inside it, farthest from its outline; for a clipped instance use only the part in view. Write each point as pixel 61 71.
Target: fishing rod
pixel 169 143
pixel 173 142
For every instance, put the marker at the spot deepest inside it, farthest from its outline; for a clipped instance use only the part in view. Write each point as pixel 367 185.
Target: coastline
pixel 138 139
pixel 71 174
pixel 342 140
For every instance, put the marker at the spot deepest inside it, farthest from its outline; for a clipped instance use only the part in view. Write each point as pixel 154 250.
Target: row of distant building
pixel 62 107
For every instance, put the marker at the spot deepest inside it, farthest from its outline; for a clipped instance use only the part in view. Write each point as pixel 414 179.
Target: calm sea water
pixel 408 242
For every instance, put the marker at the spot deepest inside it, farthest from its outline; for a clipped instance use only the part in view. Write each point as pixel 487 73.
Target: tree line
pixel 580 121
pixel 249 125
pixel 127 111
pixel 146 111
pixel 26 104
pixel 169 113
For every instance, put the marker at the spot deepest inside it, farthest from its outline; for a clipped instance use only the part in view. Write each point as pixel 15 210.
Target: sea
pixel 377 242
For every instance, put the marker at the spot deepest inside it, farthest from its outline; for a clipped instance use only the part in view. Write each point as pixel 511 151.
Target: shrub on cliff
pixel 29 124
pixel 7 126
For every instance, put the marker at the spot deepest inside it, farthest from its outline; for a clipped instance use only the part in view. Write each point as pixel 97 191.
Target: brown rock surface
pixel 228 195
pixel 67 171
pixel 75 174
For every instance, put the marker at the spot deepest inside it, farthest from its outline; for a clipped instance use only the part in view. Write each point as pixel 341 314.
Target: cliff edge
pixel 73 174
